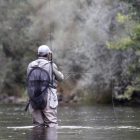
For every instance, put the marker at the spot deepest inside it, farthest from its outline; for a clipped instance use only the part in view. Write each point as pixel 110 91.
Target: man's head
pixel 44 51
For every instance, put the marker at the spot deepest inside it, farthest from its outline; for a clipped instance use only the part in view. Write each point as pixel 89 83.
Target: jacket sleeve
pixel 58 75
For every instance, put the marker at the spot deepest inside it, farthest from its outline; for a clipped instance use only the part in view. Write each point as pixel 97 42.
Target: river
pixel 76 122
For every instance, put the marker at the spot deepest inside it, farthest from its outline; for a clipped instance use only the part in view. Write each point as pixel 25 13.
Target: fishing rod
pixel 51 57
pixel 75 73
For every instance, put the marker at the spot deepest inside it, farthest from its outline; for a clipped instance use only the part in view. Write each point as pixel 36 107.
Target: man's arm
pixel 58 75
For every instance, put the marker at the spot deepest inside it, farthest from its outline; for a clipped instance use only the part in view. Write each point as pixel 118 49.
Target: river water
pixel 76 122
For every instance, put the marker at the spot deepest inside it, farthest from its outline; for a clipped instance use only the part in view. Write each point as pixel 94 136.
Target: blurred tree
pixel 79 32
pixel 131 41
pixel 16 48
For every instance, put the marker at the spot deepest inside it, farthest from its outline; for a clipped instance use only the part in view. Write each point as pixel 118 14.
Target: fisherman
pixel 46 117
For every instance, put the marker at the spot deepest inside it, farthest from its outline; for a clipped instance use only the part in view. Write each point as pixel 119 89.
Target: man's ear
pixel 48 55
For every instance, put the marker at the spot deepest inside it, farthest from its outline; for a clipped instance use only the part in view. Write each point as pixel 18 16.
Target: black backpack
pixel 37 84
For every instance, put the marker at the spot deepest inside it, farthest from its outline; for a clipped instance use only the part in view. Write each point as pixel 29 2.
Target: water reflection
pixel 76 122
pixel 43 134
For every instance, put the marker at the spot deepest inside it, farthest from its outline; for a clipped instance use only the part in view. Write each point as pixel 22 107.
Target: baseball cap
pixel 43 50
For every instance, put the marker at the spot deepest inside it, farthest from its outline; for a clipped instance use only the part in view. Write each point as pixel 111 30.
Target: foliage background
pixel 81 31
pixel 130 41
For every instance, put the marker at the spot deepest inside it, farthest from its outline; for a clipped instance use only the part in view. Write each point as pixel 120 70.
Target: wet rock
pixel 62 98
pixel 75 99
pixel 12 99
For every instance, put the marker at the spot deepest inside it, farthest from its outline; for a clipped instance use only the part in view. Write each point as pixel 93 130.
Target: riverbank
pixel 17 100
pixel 135 100
pixel 12 99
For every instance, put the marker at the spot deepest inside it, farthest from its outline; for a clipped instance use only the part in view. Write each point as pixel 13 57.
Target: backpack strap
pixel 51 74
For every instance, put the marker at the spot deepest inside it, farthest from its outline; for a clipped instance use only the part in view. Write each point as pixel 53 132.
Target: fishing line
pixel 78 73
pixel 75 73
pixel 112 84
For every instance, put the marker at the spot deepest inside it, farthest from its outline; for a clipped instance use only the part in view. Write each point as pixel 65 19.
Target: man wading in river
pixel 43 115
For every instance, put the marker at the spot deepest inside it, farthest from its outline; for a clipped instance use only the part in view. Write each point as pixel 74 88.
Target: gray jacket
pixel 57 76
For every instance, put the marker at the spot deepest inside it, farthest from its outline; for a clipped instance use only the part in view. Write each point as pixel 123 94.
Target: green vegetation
pixel 131 41
pixel 16 48
pixel 79 32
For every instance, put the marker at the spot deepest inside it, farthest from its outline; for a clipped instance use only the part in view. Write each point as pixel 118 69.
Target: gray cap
pixel 43 50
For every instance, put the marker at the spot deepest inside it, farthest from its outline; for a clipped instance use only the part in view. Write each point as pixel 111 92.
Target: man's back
pixel 48 115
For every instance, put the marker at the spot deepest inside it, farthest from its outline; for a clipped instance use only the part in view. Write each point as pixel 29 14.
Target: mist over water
pixel 79 31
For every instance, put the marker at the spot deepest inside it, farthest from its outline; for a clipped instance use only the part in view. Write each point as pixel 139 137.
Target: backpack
pixel 37 85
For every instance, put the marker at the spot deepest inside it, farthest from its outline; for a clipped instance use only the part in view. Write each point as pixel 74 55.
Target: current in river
pixel 76 122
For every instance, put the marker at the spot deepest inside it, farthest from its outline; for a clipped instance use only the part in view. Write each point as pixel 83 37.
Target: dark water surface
pixel 76 122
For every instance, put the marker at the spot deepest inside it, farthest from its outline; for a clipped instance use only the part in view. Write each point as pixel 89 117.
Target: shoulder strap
pixel 45 64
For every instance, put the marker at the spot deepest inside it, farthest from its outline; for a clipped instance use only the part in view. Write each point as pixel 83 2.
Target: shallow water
pixel 76 122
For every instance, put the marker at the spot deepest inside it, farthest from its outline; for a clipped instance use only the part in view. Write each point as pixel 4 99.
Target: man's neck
pixel 43 58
